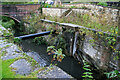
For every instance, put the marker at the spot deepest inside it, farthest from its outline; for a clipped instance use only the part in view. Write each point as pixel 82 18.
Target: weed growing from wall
pixel 56 54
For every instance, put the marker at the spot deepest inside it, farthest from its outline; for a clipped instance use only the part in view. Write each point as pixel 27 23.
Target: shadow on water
pixel 72 67
pixel 69 64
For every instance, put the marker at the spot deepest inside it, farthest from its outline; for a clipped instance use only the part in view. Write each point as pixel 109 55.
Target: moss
pixel 1 49
pixel 7 73
pixel 5 47
pixel 6 70
pixel 0 69
pixel 29 59
pixel 3 53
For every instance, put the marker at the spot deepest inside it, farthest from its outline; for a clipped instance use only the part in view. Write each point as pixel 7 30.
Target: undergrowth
pixel 78 19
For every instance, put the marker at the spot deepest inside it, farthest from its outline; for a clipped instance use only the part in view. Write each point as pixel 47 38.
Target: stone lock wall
pixel 98 13
pixel 78 44
pixel 54 11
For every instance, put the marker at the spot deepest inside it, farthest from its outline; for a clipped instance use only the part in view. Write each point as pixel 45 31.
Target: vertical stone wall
pixel 98 13
pixel 28 7
pixel 54 11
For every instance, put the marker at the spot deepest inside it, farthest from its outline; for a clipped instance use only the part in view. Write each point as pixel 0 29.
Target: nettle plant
pixel 56 54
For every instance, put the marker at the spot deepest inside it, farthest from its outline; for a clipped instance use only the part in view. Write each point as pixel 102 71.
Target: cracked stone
pixel 22 67
pixel 9 56
pixel 56 72
pixel 2 45
pixel 38 58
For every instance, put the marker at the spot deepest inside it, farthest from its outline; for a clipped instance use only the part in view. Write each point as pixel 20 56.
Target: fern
pixel 87 75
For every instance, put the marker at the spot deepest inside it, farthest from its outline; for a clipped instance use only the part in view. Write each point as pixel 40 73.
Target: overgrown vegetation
pixel 85 20
pixel 7 22
pixel 113 74
pixel 8 73
pixel 17 40
pixel 47 5
pixel 40 40
pixel 82 20
pixel 102 4
pixel 6 70
pixel 56 54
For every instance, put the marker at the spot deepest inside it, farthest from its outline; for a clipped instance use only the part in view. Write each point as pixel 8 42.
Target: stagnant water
pixel 69 64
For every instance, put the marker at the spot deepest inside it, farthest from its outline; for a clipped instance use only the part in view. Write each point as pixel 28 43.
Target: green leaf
pixel 86 69
pixel 86 65
pixel 86 76
pixel 90 76
pixel 83 76
pixel 87 73
pixel 116 71
pixel 54 56
pixel 50 47
pixel 118 75
pixel 107 74
pixel 114 39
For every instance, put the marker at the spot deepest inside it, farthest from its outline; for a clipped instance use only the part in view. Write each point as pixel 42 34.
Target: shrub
pixel 7 22
pixel 84 7
pixel 73 7
pixel 57 54
pixel 102 4
pixel 47 5
pixel 40 40
pixel 17 40
pixel 29 3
